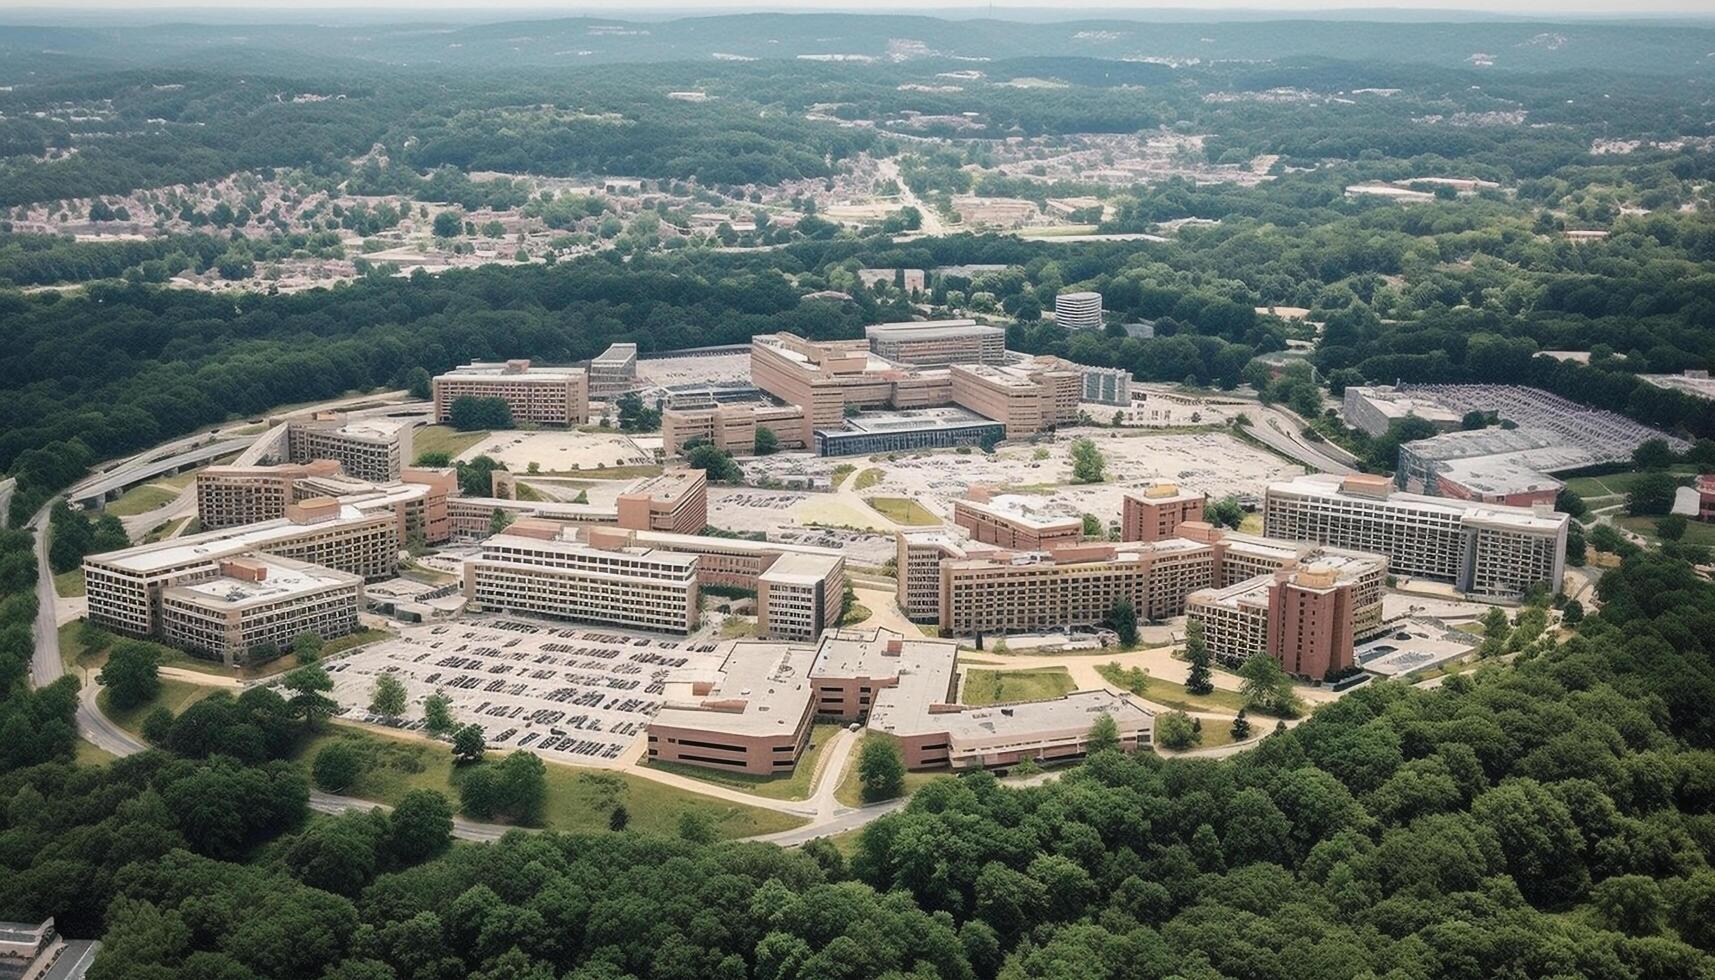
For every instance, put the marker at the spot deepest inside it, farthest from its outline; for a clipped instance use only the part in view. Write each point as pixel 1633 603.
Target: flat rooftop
pixel 1022 510
pixel 1521 518
pixel 852 653
pixel 944 417
pixel 761 688
pixel 1008 378
pixel 282 580
pixel 930 330
pixel 798 568
pixel 616 355
pixel 214 545
pixel 510 371
pixel 668 486
pixel 571 546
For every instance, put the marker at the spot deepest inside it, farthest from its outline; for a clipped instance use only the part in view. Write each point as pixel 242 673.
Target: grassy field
pixel 579 800
pixel 850 789
pixel 793 786
pixel 1593 488
pixel 444 439
pixel 90 755
pixel 868 478
pixel 140 500
pixel 902 510
pixel 164 530
pixel 175 696
pixel 841 472
pixel 1696 532
pixel 997 686
pixel 1173 695
pixel 69 584
pixel 76 657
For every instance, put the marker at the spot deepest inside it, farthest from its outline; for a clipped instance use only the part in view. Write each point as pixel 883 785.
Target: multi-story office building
pixel 1487 550
pixel 539 396
pixel 798 595
pixel 531 568
pixel 258 601
pixel 1305 614
pixel 473 517
pixel 230 496
pixel 233 496
pixel 1106 386
pixel 918 555
pixel 938 343
pixel 751 715
pixel 994 590
pixel 124 587
pixel 822 378
pixel 677 501
pixel 732 428
pixel 369 449
pixel 1013 521
pixel 613 372
pixel 1078 311
pixel 1010 398
pixel 852 666
pixel 1156 513
pixel 1706 497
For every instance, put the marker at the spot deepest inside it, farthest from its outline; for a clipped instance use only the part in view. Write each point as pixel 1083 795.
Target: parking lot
pixel 574 693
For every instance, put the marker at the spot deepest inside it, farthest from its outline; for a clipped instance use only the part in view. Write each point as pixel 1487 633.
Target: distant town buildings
pixel 1078 310
pixel 1487 550
pixel 537 396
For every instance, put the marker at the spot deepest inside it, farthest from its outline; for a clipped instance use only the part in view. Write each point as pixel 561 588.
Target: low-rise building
pixel 1486 550
pixel 534 568
pixel 124 587
pixel 39 952
pixel 1014 521
pixel 732 428
pixel 938 343
pixel 1706 497
pixel 1373 409
pixel 373 449
pixel 1156 513
pixel 752 715
pixel 535 395
pixel 906 431
pixel 258 601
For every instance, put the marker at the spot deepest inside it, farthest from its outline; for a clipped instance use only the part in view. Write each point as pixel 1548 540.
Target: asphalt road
pixel 1279 431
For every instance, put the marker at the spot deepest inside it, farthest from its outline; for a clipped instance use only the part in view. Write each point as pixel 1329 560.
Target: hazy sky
pixel 499 11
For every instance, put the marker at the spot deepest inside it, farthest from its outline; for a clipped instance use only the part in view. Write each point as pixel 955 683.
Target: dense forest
pixel 1550 817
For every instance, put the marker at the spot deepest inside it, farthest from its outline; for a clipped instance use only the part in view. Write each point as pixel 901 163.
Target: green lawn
pixel 140 500
pixel 76 657
pixel 164 530
pixel 579 800
pixel 841 472
pixel 902 510
pixel 998 686
pixel 1172 695
pixel 444 439
pixel 850 790
pixel 1696 532
pixel 90 755
pixel 1616 484
pixel 175 696
pixel 793 786
pixel 868 478
pixel 69 584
